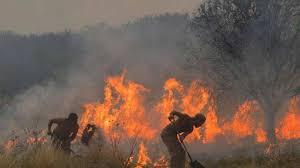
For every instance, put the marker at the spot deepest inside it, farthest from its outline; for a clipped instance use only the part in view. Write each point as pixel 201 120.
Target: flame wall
pixel 122 113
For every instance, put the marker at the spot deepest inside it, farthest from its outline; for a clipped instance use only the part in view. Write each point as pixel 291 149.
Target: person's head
pixel 73 117
pixel 199 119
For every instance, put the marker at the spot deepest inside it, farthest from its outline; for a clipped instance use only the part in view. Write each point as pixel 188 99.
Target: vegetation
pixel 27 60
pixel 46 157
pixel 251 46
pixel 284 161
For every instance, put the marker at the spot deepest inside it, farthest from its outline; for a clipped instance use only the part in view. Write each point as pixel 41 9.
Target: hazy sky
pixel 56 15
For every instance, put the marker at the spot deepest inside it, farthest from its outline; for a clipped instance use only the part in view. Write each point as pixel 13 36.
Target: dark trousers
pixel 175 150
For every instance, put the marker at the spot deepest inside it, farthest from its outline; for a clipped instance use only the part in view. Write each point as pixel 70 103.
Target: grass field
pixel 43 156
pixel 282 161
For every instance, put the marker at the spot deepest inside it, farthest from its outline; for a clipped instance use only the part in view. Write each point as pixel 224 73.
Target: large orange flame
pixel 243 123
pixel 169 100
pixel 143 158
pixel 122 114
pixel 289 127
pixel 122 110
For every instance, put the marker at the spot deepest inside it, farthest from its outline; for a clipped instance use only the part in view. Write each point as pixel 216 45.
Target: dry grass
pixel 47 157
pixel 283 155
pixel 283 161
pixel 43 156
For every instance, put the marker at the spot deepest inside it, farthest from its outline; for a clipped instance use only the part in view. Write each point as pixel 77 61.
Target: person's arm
pixel 184 135
pixel 53 121
pixel 178 114
pixel 74 133
pixel 94 128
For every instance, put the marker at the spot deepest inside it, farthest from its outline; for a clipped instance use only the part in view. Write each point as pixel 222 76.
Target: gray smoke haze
pixel 150 50
pixel 35 16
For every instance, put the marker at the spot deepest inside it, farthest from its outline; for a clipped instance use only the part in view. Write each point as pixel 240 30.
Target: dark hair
pixel 200 117
pixel 73 117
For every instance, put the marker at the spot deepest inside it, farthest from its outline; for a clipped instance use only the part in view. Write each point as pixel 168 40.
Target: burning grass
pixel 44 156
pixel 126 120
pixel 124 113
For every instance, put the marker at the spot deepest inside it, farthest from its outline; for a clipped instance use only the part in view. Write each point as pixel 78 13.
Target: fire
pixel 195 99
pixel 35 136
pixel 191 100
pixel 244 124
pixel 211 127
pixel 121 111
pixel 122 114
pixel 143 158
pixel 162 162
pixel 10 144
pixel 169 101
pixel 261 135
pixel 289 127
pixel 33 140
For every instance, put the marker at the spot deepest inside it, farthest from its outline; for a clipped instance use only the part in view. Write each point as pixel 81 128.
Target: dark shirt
pixel 183 124
pixel 65 129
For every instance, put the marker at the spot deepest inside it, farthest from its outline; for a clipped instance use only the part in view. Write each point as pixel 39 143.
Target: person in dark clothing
pixel 64 133
pixel 177 131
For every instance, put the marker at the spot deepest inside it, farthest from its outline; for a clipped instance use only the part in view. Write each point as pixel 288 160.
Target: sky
pixel 38 16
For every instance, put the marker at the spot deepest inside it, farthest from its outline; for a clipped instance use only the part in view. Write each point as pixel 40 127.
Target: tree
pixel 251 45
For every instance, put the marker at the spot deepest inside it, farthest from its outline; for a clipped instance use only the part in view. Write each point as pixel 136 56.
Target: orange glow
pixel 261 135
pixel 143 158
pixel 289 127
pixel 195 99
pixel 162 162
pixel 123 114
pixel 242 124
pixel 122 110
pixel 193 102
pixel 33 140
pixel 169 100
pixel 211 126
pixel 10 144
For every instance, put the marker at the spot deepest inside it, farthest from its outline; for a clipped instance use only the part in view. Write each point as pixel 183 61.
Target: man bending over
pixel 182 127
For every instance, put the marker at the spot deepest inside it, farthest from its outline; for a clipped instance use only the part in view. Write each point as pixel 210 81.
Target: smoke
pixel 150 50
pixel 58 15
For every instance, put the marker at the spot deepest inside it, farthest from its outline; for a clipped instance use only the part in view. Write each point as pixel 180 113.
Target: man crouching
pixel 182 127
pixel 64 133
